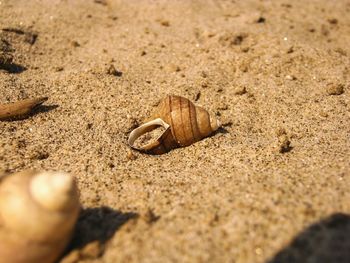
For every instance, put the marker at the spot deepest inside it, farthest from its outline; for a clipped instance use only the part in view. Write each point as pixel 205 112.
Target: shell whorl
pixel 52 190
pixel 35 214
pixel 185 122
pixel 38 212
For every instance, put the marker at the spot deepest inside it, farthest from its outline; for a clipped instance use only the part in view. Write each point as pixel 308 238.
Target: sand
pixel 272 185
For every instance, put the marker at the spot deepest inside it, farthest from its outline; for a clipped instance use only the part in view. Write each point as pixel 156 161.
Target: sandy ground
pixel 271 186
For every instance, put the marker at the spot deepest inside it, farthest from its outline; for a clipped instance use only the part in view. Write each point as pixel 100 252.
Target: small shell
pixel 19 109
pixel 184 124
pixel 38 212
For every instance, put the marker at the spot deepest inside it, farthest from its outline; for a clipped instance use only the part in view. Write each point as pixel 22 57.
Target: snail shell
pixel 38 212
pixel 19 109
pixel 184 124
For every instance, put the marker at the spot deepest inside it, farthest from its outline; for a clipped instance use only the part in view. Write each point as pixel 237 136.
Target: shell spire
pixel 53 190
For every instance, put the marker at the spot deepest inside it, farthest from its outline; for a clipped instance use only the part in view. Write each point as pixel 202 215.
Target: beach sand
pixel 272 185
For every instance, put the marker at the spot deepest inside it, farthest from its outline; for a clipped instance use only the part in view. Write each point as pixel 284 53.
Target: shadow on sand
pixel 97 224
pixel 13 68
pixel 327 241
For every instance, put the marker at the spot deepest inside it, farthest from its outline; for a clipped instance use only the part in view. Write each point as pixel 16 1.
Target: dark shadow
pixel 285 148
pixel 222 130
pixel 43 108
pixel 13 68
pixel 97 224
pixel 327 241
pixel 29 36
pixel 13 30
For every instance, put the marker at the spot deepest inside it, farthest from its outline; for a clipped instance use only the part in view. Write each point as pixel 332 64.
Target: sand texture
pixel 272 185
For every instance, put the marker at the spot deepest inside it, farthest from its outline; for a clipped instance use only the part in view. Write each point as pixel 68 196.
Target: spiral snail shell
pixel 184 124
pixel 38 212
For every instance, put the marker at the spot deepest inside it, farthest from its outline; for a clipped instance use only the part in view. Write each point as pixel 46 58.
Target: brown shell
pixel 185 124
pixel 30 232
pixel 19 109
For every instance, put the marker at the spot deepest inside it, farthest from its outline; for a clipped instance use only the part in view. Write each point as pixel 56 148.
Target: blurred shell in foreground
pixel 38 212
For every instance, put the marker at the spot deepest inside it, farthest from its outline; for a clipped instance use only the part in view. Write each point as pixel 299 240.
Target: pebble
pixel 290 77
pixel 335 88
pixel 240 90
